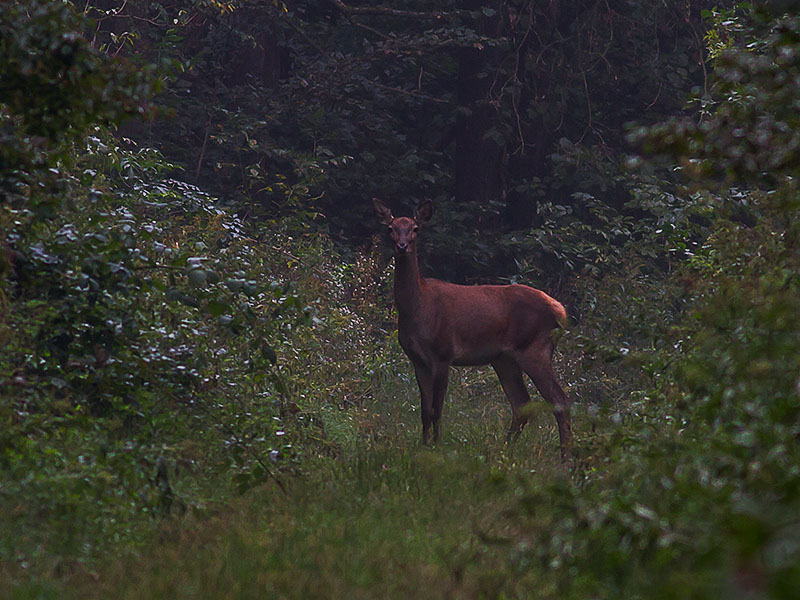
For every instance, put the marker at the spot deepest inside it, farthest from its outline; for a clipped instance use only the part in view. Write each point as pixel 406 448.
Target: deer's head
pixel 403 230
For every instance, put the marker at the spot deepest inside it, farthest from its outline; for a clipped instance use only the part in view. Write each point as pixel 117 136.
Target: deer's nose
pixel 402 247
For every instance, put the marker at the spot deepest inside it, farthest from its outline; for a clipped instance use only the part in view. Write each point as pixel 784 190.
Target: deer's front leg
pixel 441 372
pixel 425 382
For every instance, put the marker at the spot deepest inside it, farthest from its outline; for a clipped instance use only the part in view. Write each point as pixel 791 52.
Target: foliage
pixel 156 357
pixel 141 322
pixel 705 495
pixel 124 339
pixel 749 129
pixel 55 86
pixel 320 106
pixel 165 346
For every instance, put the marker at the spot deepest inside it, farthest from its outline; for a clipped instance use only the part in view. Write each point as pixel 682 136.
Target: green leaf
pixel 190 301
pixel 217 308
pixel 198 277
pixel 268 352
pixel 234 285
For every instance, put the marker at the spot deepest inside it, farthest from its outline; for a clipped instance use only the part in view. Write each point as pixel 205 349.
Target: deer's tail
pixel 558 310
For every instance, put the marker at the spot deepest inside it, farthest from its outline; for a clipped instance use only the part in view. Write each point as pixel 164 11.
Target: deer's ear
pixel 424 212
pixel 382 212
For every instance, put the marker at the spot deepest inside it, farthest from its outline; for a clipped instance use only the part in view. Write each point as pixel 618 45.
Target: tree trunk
pixel 478 158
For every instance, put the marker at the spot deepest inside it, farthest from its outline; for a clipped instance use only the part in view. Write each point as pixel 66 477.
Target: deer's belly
pixel 428 351
pixel 473 357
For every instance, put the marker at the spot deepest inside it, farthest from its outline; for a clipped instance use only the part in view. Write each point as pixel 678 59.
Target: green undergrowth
pixel 684 484
pixel 160 356
pixel 387 519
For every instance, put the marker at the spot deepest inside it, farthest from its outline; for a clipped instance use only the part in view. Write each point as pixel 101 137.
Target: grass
pixel 386 518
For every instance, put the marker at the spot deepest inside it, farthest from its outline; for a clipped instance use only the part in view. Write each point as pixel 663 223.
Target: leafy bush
pixel 141 322
pixel 137 318
pixel 699 489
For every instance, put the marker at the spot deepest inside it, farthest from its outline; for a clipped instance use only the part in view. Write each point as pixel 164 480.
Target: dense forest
pixel 202 392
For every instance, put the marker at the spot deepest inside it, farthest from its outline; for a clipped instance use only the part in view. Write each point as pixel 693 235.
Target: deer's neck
pixel 408 284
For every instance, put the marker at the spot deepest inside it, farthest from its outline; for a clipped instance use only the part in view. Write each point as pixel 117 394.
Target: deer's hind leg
pixel 537 361
pixel 510 375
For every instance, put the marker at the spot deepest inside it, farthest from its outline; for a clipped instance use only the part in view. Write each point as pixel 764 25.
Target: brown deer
pixel 442 324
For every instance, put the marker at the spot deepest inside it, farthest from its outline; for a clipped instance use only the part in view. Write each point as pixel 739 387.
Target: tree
pixel 489 108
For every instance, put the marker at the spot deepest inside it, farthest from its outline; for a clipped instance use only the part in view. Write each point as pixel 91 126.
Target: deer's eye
pixel 416 227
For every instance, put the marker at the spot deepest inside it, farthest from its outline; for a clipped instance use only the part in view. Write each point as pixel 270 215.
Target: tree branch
pixel 418 95
pixel 385 11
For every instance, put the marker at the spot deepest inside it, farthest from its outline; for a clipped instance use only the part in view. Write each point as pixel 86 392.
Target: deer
pixel 443 324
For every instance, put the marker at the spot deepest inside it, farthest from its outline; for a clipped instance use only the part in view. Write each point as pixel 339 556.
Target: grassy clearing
pixel 387 518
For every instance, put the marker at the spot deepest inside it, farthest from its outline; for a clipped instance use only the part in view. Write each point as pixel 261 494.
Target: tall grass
pixel 388 518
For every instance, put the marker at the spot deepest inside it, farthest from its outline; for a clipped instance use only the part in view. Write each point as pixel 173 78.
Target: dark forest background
pixel 200 383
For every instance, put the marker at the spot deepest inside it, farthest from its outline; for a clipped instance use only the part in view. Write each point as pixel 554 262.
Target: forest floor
pixel 385 518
